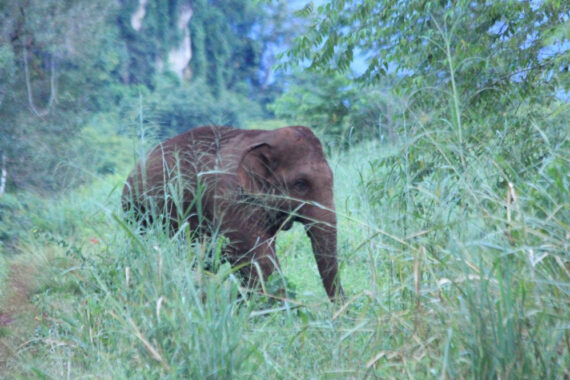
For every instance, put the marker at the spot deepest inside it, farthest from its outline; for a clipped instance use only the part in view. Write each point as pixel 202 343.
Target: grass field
pixel 459 271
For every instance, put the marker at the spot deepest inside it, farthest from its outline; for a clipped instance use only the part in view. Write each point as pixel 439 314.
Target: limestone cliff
pixel 178 57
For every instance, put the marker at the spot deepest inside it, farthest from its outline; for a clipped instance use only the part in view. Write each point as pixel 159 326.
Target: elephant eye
pixel 301 186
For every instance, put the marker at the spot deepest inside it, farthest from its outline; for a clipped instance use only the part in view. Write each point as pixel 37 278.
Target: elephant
pixel 246 184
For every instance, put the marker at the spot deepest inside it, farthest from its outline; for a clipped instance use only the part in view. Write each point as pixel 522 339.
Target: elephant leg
pixel 259 262
pixel 262 262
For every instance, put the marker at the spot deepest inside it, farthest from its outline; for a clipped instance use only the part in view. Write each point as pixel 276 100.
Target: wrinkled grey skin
pixel 249 183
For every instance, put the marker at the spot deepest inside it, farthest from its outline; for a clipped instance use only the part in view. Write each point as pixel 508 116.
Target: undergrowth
pixel 453 254
pixel 455 273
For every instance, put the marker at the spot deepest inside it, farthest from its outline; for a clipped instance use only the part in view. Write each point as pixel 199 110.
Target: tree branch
pixel 45 111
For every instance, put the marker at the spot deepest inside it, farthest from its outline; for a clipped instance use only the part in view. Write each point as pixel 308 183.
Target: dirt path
pixel 16 311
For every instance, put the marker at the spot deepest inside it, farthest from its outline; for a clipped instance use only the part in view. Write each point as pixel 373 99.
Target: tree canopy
pixel 487 70
pixel 499 43
pixel 65 65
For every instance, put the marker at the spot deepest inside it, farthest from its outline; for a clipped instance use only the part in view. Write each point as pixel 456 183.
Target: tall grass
pixel 454 258
pixel 446 277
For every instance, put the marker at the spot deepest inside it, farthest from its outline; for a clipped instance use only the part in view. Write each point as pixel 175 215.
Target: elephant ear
pixel 256 168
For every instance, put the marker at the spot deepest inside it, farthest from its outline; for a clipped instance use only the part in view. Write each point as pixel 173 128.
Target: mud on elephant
pixel 250 184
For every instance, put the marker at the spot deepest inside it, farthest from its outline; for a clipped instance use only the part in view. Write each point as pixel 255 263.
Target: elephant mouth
pixel 284 221
pixel 288 224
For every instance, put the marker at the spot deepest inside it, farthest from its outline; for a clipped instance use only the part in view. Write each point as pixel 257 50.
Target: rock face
pixel 137 17
pixel 180 56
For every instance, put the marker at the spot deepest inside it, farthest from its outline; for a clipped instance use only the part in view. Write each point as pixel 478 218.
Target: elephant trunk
pixel 323 234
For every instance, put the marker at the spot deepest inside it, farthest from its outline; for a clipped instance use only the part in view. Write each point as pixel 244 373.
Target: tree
pixel 54 59
pixel 480 51
pixel 65 63
pixel 322 101
pixel 511 37
pixel 486 69
pixel 225 53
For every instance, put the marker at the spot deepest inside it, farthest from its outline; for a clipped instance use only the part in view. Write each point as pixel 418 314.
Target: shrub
pixel 175 108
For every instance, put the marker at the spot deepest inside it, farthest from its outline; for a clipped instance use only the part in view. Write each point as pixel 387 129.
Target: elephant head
pixel 288 169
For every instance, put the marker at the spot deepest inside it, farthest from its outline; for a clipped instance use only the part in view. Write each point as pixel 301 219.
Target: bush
pixel 175 108
pixel 18 215
pixel 339 108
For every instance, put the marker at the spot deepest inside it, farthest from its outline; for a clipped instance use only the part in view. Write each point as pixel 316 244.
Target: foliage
pixel 343 112
pixel 145 48
pixel 54 78
pixel 16 220
pixel 500 41
pixel 486 60
pixel 66 66
pixel 321 101
pixel 225 53
pixel 482 128
pixel 434 286
pixel 176 107
pixel 492 238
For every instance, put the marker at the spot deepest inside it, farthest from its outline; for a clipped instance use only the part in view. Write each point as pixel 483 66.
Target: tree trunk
pixel 3 175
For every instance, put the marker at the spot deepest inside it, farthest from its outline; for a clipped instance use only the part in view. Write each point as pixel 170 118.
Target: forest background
pixel 446 124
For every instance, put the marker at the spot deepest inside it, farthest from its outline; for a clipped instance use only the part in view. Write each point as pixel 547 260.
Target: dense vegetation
pixel 76 74
pixel 450 150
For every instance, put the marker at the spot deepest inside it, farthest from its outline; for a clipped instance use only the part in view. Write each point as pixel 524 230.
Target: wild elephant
pixel 249 185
